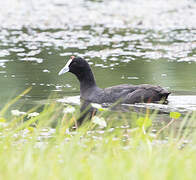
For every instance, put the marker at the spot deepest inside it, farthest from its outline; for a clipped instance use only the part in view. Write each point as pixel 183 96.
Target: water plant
pixel 32 147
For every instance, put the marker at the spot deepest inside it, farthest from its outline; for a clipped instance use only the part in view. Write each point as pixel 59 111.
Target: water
pixel 133 42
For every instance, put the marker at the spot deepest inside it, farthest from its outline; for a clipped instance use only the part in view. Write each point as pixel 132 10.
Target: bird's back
pixel 127 93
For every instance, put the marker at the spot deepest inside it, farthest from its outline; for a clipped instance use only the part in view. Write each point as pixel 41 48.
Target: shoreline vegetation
pixel 42 145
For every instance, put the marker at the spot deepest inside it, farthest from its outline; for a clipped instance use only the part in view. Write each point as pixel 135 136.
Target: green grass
pixel 93 153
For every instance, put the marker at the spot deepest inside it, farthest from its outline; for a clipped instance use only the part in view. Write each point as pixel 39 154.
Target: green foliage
pixel 144 122
pixel 2 120
pixel 33 150
pixel 2 112
pixel 174 115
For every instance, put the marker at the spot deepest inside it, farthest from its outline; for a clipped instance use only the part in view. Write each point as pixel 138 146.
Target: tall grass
pixel 31 149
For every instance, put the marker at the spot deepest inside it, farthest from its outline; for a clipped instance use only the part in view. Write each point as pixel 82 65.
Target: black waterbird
pixel 124 93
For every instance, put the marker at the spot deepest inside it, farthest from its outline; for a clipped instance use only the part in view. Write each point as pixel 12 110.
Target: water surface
pixel 131 42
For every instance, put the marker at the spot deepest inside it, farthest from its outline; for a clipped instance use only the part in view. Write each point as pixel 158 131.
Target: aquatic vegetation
pixel 32 149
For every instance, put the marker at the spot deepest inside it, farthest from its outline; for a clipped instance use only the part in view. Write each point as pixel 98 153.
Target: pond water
pixel 135 42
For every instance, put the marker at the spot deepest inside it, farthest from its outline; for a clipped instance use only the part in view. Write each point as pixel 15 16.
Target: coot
pixel 124 93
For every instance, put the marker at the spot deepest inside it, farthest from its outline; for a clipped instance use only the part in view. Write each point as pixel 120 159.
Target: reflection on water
pixel 131 42
pixel 183 104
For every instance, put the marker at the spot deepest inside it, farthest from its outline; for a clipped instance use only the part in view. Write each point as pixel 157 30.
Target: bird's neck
pixel 87 80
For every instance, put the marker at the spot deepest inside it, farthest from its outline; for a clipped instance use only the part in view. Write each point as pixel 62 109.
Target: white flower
pixel 99 121
pixel 69 109
pixel 16 112
pixel 33 114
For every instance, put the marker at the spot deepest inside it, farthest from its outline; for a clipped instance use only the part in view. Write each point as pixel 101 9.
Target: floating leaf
pixel 174 115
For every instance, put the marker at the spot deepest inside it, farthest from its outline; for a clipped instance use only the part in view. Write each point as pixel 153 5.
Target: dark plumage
pixel 125 93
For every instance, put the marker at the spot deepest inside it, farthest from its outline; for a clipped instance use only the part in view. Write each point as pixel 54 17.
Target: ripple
pixel 70 100
pixel 122 14
pixel 38 60
pixel 4 53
